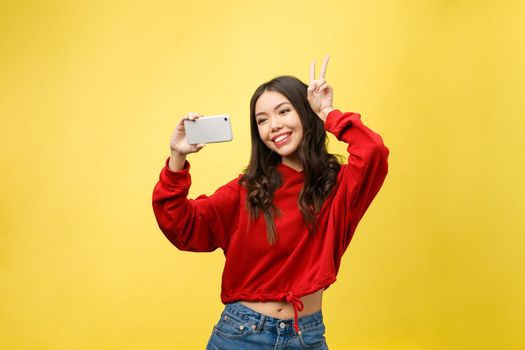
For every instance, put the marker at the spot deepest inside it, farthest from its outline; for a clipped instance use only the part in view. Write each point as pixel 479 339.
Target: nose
pixel 275 124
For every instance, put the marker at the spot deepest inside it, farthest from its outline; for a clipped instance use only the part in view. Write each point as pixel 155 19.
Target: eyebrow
pixel 279 105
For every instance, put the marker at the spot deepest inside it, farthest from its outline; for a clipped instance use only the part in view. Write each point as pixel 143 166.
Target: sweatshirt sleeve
pixel 202 224
pixel 359 180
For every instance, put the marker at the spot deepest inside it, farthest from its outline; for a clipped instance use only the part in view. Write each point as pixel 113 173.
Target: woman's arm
pixel 202 224
pixel 360 180
pixel 179 145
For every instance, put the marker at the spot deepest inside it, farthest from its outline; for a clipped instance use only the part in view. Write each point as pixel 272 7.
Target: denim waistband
pixel 262 321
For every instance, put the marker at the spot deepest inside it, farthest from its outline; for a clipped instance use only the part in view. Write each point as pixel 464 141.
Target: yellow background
pixel 91 90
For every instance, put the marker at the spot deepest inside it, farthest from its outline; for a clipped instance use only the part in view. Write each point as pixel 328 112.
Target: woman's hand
pixel 178 141
pixel 320 94
pixel 179 144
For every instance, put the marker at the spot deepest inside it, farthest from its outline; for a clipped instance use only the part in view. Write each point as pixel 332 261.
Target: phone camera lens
pixel 225 119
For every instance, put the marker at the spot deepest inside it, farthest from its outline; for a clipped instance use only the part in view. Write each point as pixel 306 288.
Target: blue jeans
pixel 243 328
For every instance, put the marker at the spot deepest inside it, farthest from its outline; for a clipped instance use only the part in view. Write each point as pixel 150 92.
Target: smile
pixel 281 138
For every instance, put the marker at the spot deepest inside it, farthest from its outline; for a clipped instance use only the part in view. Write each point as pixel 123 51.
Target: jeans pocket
pixel 233 328
pixel 313 338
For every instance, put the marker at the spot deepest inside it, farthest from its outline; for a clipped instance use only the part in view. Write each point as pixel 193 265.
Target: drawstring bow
pixel 297 305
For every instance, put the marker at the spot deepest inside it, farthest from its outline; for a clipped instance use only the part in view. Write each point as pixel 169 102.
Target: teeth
pixel 280 138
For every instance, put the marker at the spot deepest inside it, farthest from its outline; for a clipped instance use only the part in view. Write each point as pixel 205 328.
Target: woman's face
pixel 279 126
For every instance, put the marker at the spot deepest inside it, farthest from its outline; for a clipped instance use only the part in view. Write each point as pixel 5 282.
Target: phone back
pixel 215 128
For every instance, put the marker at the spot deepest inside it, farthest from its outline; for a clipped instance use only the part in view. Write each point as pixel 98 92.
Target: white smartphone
pixel 208 129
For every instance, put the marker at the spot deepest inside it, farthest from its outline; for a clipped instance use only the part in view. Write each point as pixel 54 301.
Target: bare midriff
pixel 284 310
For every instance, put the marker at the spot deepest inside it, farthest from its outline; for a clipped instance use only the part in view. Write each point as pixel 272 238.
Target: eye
pixel 284 111
pixel 261 121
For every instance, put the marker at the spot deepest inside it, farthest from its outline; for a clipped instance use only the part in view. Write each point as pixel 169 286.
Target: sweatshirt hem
pixel 276 295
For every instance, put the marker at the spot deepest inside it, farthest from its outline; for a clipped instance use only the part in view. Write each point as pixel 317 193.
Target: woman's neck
pixel 293 162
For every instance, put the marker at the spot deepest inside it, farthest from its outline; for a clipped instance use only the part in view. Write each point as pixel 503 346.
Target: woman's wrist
pixel 324 112
pixel 177 161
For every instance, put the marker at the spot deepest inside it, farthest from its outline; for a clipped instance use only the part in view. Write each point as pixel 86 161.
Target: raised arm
pixel 360 180
pixel 200 224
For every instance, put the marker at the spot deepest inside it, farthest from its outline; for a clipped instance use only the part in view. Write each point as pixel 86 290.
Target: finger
pixel 322 87
pixel 323 68
pixel 312 72
pixel 312 86
pixel 199 147
pixel 317 85
pixel 182 120
pixel 193 116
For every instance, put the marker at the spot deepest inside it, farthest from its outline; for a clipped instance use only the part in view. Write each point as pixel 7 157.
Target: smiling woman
pixel 285 223
pixel 280 128
pixel 285 129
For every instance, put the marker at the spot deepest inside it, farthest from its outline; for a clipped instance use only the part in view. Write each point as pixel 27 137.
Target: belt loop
pixel 261 323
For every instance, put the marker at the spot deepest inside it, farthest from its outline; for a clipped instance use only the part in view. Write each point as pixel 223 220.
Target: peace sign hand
pixel 320 94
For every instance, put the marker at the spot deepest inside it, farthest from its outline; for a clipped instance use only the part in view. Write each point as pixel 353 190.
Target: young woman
pixel 284 223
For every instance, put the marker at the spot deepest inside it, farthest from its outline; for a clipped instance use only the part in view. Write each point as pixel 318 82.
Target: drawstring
pixel 297 306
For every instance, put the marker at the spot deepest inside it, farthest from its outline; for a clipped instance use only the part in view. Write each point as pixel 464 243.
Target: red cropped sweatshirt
pixel 298 264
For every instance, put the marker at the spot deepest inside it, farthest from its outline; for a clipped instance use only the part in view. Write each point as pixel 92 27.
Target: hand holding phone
pixel 178 143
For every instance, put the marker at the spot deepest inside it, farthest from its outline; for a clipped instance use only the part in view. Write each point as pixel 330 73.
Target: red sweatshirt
pixel 298 264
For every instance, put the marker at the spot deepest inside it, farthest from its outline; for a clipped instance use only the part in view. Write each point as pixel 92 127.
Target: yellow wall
pixel 90 92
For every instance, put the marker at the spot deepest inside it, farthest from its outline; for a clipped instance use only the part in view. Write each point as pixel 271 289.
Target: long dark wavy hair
pixel 320 168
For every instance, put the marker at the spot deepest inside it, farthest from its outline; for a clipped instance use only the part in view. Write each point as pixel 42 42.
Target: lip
pixel 283 141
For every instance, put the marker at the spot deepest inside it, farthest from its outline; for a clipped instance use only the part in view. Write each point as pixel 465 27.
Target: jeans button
pixel 282 325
